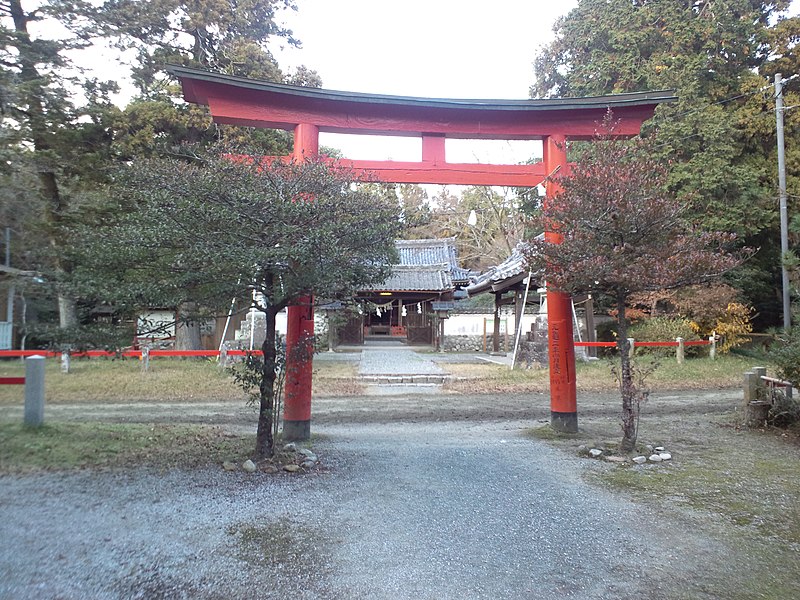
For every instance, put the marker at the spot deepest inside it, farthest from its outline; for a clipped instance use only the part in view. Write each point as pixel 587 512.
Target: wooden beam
pixel 448 173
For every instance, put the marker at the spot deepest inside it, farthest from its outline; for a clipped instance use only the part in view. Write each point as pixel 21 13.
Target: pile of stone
pixel 658 454
pixel 292 459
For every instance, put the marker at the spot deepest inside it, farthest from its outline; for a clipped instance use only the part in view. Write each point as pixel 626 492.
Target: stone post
pixel 631 347
pixel 712 348
pixel 145 358
pixel 756 406
pixel 34 391
pixel 680 350
pixel 65 361
pixel 223 355
pixel 751 384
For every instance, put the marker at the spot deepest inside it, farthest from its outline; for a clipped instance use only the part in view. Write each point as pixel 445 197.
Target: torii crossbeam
pixel 309 111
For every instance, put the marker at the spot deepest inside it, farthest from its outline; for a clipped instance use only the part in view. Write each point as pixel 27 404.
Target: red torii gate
pixel 309 111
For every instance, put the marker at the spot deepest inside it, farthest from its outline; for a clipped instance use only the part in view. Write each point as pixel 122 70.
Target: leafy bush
pixel 664 329
pixel 733 325
pixel 786 354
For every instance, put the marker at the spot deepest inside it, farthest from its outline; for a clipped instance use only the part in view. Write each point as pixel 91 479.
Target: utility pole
pixel 787 313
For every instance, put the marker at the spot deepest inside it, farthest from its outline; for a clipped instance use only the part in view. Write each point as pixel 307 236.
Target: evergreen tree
pixel 719 56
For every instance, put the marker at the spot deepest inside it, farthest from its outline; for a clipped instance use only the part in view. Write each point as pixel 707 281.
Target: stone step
pixel 405 379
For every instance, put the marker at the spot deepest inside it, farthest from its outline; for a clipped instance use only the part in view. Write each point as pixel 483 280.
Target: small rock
pixel 616 459
pixel 308 464
pixel 655 458
pixel 665 456
pixel 640 460
pixel 649 447
pixel 269 468
pixel 291 468
pixel 660 449
pixel 290 447
pixel 249 466
pixel 594 452
pixel 582 448
pixel 308 454
pixel 229 466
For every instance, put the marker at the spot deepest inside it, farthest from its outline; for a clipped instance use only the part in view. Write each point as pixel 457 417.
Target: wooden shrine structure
pixel 309 111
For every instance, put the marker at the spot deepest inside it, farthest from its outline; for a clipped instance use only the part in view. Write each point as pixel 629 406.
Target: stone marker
pixel 34 391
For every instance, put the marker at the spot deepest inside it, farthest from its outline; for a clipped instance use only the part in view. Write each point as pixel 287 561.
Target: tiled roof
pixel 429 265
pixel 417 278
pixel 427 252
pixel 514 267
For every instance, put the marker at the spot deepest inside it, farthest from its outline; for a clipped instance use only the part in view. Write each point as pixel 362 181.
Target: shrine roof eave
pixel 257 103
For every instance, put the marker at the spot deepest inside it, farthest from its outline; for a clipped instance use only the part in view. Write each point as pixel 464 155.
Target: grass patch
pixel 123 380
pixel 696 374
pixel 65 446
pixel 739 486
pixel 336 378
pixel 167 380
pixel 281 544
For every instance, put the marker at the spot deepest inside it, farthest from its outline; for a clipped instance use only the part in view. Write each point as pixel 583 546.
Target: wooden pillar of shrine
pixel 563 393
pixel 300 328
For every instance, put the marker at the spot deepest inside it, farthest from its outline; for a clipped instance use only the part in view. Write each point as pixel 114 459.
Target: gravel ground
pixel 439 510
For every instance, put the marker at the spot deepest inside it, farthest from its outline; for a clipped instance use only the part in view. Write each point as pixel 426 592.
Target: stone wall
pixel 464 343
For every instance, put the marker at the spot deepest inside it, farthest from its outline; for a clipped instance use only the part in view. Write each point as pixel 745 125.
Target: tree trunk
pixel 67 312
pixel 187 330
pixel 626 381
pixel 265 443
pixel 40 131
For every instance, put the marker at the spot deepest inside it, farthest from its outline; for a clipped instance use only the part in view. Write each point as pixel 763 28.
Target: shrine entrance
pixel 309 111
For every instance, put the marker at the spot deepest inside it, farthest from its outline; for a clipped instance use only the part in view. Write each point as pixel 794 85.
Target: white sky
pixel 428 48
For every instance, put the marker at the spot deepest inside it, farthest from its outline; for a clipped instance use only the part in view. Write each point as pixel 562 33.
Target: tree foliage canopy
pixel 621 232
pixel 210 229
pixel 720 57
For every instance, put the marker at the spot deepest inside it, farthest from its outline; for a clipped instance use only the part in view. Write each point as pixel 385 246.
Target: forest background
pixel 62 135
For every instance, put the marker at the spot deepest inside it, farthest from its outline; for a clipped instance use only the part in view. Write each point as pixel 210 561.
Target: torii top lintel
pixel 254 103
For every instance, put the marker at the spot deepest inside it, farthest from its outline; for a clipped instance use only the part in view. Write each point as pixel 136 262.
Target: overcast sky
pixel 428 48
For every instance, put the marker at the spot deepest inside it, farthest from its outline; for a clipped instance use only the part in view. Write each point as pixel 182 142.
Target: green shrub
pixel 664 329
pixel 786 354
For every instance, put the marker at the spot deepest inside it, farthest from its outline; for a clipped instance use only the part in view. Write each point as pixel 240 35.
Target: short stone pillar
pixel 712 347
pixel 756 406
pixel 65 361
pixel 223 355
pixel 34 391
pixel 631 347
pixel 145 358
pixel 680 351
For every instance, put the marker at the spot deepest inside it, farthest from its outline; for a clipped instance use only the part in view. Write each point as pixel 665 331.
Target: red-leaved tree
pixel 623 233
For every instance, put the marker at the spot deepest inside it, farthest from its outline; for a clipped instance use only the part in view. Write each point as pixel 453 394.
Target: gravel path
pixel 436 510
pixel 396 362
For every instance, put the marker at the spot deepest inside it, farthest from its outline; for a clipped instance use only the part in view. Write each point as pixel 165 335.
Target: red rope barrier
pixel 12 381
pixel 216 353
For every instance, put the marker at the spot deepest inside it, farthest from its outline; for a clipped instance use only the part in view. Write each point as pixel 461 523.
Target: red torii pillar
pixel 300 327
pixel 563 392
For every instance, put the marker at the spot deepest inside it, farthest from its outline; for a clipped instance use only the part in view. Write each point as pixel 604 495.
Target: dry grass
pixel 201 380
pixel 336 379
pixel 105 380
pixel 696 374
pixel 166 380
